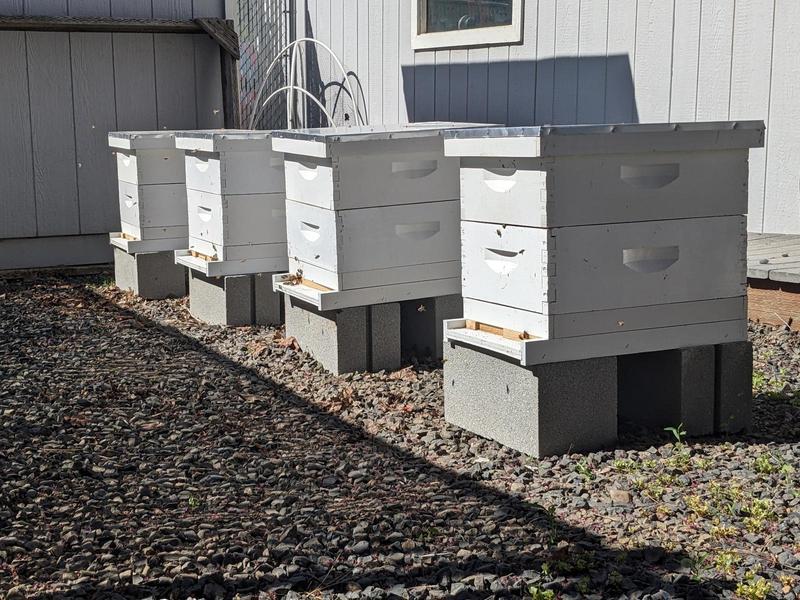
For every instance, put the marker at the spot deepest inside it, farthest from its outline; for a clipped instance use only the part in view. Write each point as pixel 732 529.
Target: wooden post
pixel 231 109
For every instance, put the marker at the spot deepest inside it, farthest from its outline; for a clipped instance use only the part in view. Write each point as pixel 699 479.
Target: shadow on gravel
pixel 308 501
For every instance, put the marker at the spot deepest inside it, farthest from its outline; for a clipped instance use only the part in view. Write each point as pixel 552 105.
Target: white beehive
pixel 372 214
pixel 236 203
pixel 152 191
pixel 585 241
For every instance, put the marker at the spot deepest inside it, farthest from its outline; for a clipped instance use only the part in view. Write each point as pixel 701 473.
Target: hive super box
pixel 372 214
pixel 588 241
pixel 236 203
pixel 152 191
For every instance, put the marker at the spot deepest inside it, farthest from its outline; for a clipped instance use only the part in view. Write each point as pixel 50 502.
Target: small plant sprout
pixel 677 432
pixel 753 587
pixel 538 593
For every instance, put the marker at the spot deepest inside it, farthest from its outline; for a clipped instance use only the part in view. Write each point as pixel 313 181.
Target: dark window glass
pixel 452 15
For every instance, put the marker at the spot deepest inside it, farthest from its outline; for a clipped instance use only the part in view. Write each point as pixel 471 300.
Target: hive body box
pixel 236 203
pixel 152 191
pixel 589 241
pixel 372 214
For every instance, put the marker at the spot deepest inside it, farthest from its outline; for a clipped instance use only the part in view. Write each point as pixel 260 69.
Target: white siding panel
pixel 12 7
pixel 522 70
pixel 565 77
pixel 620 99
pixel 782 205
pixel 208 8
pixel 375 67
pixel 131 9
pixel 750 86
pixel 714 72
pixel 442 91
pixel 685 57
pixel 458 85
pixel 546 59
pixel 592 46
pixel 407 92
pixel 172 9
pixel 391 57
pixel 425 86
pixel 360 81
pixel 653 66
pixel 477 84
pixel 53 133
pixel 497 92
pixel 17 200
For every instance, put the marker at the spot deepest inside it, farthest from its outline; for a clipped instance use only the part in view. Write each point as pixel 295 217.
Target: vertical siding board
pixel 477 84
pixel 391 58
pixel 349 55
pixel 781 208
pixel 208 8
pixel 653 66
pixel 134 81
pixel 522 70
pixel 685 60
pixel 375 69
pixel 714 69
pixel 175 81
pixel 565 77
pixel 172 9
pixel 621 99
pixel 425 86
pixel 131 9
pixel 459 76
pixel 338 101
pixel 442 86
pixel 12 7
pixel 752 55
pixel 95 116
pixel 497 91
pixel 46 8
pixel 17 199
pixel 592 45
pixel 208 83
pixel 53 133
pixel 89 8
pixel 407 76
pixel 361 80
pixel 546 59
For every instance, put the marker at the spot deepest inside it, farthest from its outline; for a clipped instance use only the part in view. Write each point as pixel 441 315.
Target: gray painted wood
pixel 95 116
pixel 208 93
pixel 522 70
pixel 12 7
pixel 28 253
pixel 134 81
pixel 17 200
pixel 172 9
pixel 477 85
pixel 53 133
pixel 48 8
pixel 208 8
pixel 132 9
pixel 175 81
pixel 89 8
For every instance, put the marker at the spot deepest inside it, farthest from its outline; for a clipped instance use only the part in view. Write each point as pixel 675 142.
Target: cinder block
pixel 542 410
pixel 221 300
pixel 664 389
pixel 733 402
pixel 384 332
pixel 422 332
pixel 150 275
pixel 268 304
pixel 362 338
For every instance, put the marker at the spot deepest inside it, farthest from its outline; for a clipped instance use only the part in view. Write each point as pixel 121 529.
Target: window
pixel 453 23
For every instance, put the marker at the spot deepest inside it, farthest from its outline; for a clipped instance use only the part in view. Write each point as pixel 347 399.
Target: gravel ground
pixel 143 454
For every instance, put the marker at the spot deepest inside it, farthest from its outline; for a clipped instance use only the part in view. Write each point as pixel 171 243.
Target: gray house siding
pixel 587 62
pixel 62 93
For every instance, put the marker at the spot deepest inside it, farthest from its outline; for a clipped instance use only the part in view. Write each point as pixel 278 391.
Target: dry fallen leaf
pixel 406 374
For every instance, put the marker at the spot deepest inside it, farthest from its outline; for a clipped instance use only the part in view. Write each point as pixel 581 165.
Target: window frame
pixel 479 36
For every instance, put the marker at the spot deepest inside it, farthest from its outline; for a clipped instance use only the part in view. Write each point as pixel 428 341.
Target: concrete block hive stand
pixel 237 226
pixel 623 244
pixel 373 235
pixel 152 206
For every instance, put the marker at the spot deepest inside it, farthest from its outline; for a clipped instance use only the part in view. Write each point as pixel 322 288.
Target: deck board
pixel 774 257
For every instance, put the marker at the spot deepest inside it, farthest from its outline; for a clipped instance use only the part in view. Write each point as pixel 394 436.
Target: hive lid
pixel 219 140
pixel 318 141
pixel 141 140
pixel 560 140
